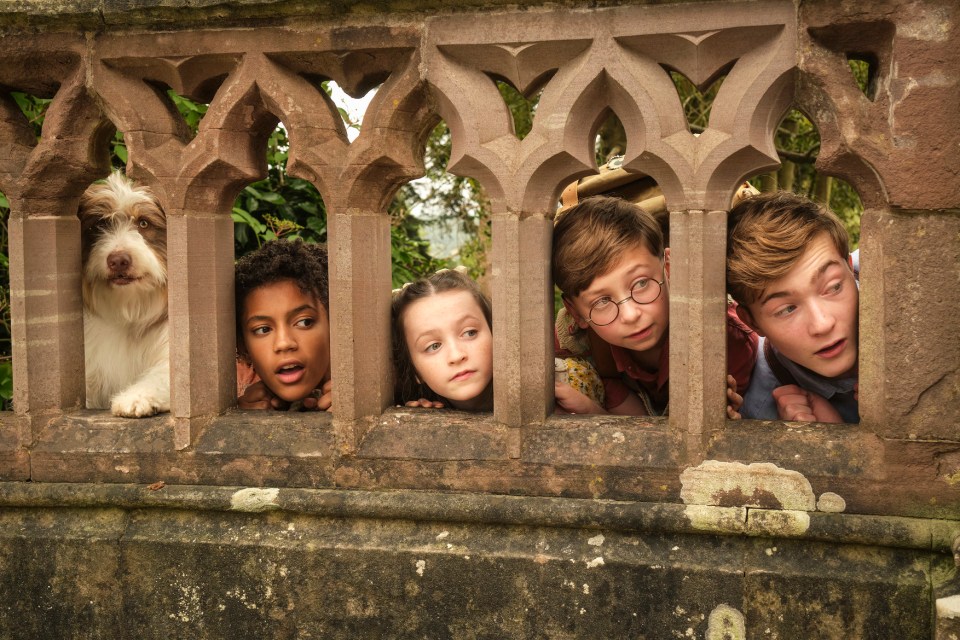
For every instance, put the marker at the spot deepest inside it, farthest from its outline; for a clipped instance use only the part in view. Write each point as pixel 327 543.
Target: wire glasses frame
pixel 642 292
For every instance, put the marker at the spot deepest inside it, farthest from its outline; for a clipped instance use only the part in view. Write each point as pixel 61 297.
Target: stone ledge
pixel 848 469
pixel 426 506
pixel 425 434
pixel 96 15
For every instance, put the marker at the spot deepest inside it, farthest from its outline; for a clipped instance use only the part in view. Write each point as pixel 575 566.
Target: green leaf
pixel 22 100
pixel 191 112
pixel 120 150
pixel 6 379
pixel 240 235
pixel 272 197
pixel 242 217
pixel 317 225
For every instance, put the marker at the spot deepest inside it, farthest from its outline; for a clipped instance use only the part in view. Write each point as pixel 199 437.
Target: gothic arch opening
pixel 798 143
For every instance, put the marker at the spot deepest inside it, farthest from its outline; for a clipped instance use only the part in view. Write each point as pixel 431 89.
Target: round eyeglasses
pixel 644 291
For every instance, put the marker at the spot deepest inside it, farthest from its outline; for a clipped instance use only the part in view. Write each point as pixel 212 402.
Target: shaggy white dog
pixel 126 344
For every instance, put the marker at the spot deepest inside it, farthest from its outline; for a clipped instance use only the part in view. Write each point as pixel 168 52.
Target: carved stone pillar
pixel 522 311
pixel 202 318
pixel 46 311
pixel 697 327
pixel 362 372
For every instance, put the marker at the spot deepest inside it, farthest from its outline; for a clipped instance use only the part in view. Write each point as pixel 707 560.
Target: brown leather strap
pixel 779 371
pixel 569 196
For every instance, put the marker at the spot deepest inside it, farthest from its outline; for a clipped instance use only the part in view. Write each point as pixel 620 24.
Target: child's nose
pixel 822 319
pixel 284 340
pixel 630 310
pixel 455 353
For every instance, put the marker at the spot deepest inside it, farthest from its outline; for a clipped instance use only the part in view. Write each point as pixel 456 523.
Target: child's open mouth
pixel 833 349
pixel 290 373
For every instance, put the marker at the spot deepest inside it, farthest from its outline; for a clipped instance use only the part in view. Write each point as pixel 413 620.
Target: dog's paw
pixel 135 404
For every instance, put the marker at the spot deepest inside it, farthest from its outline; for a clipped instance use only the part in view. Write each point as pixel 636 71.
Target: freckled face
pixel 451 347
pixel 810 314
pixel 287 336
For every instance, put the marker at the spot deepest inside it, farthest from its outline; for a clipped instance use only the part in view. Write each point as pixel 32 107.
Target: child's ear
pixel 583 324
pixel 747 318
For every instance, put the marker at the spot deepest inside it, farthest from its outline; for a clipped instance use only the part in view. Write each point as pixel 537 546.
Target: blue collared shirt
pixel 759 403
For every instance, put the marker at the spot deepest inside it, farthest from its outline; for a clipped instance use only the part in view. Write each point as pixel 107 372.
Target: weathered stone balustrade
pixel 107 66
pixel 894 149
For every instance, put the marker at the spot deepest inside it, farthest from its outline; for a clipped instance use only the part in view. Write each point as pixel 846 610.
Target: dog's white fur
pixel 126 343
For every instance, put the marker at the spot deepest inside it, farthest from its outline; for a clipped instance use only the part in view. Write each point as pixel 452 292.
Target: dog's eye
pixel 143 224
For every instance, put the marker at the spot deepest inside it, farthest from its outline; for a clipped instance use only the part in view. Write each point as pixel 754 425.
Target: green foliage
pixel 696 105
pixel 278 206
pixel 863 75
pixel 191 112
pixel 6 383
pixel 33 108
pixel 456 202
pixel 522 109
pixel 409 252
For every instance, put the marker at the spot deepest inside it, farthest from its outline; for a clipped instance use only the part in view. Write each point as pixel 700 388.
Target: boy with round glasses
pixel 610 263
pixel 789 267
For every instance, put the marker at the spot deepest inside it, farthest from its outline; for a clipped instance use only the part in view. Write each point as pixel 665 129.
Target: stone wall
pixel 838 530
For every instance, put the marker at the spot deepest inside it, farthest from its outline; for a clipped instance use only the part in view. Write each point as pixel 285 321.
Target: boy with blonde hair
pixel 610 263
pixel 790 270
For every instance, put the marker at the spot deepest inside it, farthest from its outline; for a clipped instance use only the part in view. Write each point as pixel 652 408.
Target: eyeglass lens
pixel 605 311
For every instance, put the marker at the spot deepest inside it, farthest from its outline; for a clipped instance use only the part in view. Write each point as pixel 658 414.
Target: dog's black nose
pixel 118 261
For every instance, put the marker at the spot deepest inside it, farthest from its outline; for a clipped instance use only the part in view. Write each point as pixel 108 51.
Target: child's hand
pixel 324 402
pixel 258 396
pixel 424 403
pixel 734 399
pixel 794 403
pixel 569 400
